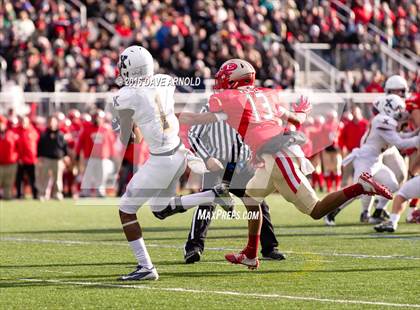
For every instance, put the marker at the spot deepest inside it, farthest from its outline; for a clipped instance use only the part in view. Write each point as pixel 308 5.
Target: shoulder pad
pixel 384 122
pixel 413 103
pixel 124 99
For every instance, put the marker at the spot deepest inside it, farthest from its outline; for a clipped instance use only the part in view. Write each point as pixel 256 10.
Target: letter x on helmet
pixel 234 73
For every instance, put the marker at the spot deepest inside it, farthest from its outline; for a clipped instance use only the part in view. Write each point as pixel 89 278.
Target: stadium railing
pixel 63 101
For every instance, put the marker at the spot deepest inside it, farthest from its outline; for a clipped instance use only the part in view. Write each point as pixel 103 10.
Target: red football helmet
pixel 233 74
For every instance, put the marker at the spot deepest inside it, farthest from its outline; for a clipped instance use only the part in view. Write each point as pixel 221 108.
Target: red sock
pixel 321 181
pixel 315 179
pixel 329 180
pixel 353 190
pixel 251 249
pixel 413 202
pixel 337 181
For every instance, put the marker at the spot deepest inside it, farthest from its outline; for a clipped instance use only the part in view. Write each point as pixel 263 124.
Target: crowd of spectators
pixel 46 44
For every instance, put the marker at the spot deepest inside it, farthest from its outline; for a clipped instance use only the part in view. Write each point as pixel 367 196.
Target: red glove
pixel 302 106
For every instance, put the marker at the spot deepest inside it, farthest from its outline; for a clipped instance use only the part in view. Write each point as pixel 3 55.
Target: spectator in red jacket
pixel 8 158
pixel 350 137
pixel 353 131
pixel 96 144
pixel 27 155
pixel 331 155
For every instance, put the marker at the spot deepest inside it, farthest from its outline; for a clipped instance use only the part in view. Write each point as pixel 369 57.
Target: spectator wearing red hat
pixel 27 155
pixel 8 158
pixel 96 144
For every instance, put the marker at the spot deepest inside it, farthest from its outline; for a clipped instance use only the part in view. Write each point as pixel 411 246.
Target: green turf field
pixel 62 255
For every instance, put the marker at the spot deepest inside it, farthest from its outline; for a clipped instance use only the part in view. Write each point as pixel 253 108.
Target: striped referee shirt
pixel 218 140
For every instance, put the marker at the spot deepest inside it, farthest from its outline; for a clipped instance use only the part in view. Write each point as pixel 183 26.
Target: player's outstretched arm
pixel 392 137
pixel 294 118
pixel 300 110
pixel 190 118
pixel 126 123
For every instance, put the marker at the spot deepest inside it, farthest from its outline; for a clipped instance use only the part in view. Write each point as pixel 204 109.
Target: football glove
pixel 302 106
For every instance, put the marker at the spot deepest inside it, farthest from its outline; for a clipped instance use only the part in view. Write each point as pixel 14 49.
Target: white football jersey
pixel 383 134
pixel 154 113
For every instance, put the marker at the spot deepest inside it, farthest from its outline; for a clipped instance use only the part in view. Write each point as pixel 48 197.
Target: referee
pixel 227 158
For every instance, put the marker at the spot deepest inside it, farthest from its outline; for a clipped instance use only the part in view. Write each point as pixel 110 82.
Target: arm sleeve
pixel 394 138
pixel 196 136
pixel 126 122
pixel 409 134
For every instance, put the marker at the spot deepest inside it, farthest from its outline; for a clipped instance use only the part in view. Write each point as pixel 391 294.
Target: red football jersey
pixel 253 112
pixel 413 103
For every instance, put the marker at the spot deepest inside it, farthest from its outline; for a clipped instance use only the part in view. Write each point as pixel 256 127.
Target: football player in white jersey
pixel 410 189
pixel 383 133
pixel 145 106
pixel 392 157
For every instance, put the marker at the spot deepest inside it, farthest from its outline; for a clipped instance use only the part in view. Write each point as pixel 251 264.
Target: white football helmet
pixel 396 83
pixel 135 62
pixel 392 106
pixel 376 103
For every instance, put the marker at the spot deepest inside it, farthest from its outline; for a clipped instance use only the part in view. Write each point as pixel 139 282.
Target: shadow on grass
pixel 67 265
pixel 169 229
pixel 131 264
pixel 107 278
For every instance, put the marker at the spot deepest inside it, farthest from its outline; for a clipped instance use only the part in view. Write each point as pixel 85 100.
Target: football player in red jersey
pixel 262 121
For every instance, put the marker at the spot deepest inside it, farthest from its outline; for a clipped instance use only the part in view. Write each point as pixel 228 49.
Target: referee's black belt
pixel 169 153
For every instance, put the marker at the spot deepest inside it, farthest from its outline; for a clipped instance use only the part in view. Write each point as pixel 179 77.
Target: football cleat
pixel 174 207
pixel 274 255
pixel 329 219
pixel 379 216
pixel 223 197
pixel 364 217
pixel 141 273
pixel 385 227
pixel 413 217
pixel 240 258
pixel 192 256
pixel 371 187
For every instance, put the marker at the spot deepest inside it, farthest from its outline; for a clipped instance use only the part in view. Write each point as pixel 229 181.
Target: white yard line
pixel 77 242
pixel 229 293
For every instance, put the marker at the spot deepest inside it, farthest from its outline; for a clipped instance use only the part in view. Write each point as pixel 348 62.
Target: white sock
pixel 366 202
pixel 382 203
pixel 394 219
pixel 140 252
pixel 193 200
